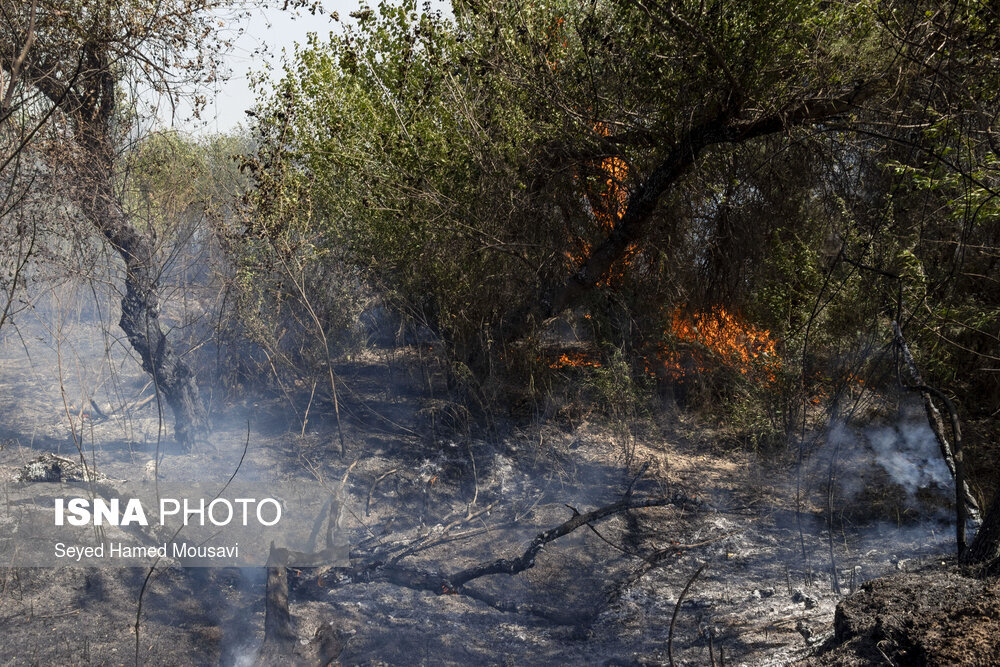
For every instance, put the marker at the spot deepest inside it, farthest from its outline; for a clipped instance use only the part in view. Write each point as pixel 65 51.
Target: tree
pixel 834 159
pixel 20 120
pixel 84 70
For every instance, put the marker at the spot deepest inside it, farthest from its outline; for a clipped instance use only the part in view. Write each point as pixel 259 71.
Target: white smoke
pixel 909 454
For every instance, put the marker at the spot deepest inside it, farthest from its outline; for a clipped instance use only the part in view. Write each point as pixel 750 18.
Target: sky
pixel 267 33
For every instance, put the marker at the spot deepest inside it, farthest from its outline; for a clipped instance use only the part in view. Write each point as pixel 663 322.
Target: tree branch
pixel 442 584
pixel 965 504
pixel 642 203
pixel 15 68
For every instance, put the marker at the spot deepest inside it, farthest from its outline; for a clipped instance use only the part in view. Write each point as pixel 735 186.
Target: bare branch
pixel 15 68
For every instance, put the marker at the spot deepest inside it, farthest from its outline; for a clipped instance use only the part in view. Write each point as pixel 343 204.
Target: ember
pixel 576 360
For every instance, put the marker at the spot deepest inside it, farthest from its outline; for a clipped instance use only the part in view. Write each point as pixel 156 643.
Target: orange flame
pixel 608 205
pixel 719 337
pixel 708 338
pixel 575 360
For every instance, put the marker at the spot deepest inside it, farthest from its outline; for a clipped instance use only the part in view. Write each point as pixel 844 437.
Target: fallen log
pixel 441 583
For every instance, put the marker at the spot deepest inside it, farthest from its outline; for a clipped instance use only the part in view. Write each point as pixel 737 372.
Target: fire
pixel 707 338
pixel 575 360
pixel 715 337
pixel 608 204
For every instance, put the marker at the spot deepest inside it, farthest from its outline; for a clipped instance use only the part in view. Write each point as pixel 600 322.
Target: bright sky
pixel 267 33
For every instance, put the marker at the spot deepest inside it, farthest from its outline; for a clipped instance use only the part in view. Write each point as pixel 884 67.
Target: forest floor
pixel 424 479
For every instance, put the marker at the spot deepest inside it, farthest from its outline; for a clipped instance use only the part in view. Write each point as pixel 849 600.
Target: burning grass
pixel 702 341
pixel 698 343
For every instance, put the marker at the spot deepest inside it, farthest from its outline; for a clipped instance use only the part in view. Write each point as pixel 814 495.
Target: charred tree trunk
pixel 140 315
pixel 985 548
pixel 88 102
pixel 966 506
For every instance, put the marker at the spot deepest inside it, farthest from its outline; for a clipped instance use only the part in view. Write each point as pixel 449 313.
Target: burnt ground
pixel 427 486
pixel 936 616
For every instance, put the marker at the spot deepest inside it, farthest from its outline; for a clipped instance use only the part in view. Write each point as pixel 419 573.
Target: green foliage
pixel 172 182
pixel 464 168
pixel 451 158
pixel 394 161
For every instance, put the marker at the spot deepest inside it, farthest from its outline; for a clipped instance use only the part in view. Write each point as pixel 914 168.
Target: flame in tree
pixel 607 203
pixel 705 339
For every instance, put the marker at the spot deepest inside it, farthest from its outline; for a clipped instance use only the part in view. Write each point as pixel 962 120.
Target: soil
pixel 937 616
pixel 432 488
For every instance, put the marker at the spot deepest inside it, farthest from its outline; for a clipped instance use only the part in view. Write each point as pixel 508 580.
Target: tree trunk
pixel 985 548
pixel 88 101
pixel 140 316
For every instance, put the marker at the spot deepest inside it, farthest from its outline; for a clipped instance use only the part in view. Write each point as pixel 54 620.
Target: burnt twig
pixel 371 491
pixel 677 608
pixel 527 559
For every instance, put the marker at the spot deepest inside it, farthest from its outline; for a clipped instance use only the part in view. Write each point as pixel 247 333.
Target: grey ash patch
pixel 54 468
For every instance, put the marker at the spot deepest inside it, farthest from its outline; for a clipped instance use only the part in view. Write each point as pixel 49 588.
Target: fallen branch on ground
pixel 441 584
pixel 677 609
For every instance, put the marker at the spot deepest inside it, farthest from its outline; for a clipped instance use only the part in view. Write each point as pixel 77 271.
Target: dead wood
pixel 527 559
pixel 277 619
pixel 985 548
pixel 455 584
pixel 281 645
pixel 677 609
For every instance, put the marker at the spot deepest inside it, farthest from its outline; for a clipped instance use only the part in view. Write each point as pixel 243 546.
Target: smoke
pixel 908 452
pixel 905 453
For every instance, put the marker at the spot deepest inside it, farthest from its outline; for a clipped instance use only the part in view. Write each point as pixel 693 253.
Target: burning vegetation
pixel 421 214
pixel 707 339
pixel 695 342
pixel 607 197
pixel 701 342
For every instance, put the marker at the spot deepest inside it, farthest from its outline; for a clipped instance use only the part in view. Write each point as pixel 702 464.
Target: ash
pixel 427 492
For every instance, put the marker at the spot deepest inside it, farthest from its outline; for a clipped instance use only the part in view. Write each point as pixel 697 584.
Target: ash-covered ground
pixel 746 542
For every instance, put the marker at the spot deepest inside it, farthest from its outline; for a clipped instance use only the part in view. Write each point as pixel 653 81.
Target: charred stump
pixel 281 645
